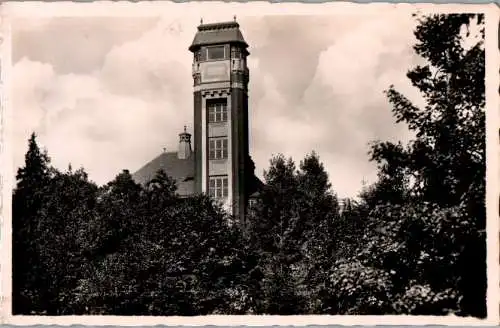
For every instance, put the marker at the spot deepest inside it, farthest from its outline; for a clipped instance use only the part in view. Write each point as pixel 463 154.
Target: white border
pixel 6 164
pixel 123 9
pixel 492 78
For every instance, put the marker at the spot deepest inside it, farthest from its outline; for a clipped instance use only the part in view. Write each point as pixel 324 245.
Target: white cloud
pixel 116 117
pixel 344 107
pixel 122 113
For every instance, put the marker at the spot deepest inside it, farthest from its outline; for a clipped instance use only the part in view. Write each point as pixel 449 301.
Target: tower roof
pixel 217 33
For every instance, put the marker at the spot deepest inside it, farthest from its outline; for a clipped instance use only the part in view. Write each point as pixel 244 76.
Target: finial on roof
pixel 201 21
pixel 234 17
pixel 164 149
pixel 184 129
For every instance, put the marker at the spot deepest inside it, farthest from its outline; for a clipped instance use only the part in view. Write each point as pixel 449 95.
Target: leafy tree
pixel 181 258
pixel 292 224
pixel 443 171
pixel 70 202
pixel 28 199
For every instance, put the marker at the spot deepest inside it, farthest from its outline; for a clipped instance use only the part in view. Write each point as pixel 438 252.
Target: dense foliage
pixel 413 243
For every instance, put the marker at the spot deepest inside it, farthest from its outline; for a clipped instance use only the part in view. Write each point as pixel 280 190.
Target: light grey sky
pixel 110 93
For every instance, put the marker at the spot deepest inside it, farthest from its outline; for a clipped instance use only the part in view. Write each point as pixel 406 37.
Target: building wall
pixel 227 79
pixel 197 138
pixel 239 149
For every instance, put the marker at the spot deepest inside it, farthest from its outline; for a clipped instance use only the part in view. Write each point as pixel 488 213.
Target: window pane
pixel 215 53
pixel 218 187
pixel 217 112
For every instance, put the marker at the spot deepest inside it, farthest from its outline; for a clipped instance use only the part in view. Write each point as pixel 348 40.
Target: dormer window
pixel 216 52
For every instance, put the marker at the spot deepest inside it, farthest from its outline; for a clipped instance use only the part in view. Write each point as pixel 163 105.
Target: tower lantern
pixel 184 151
pixel 220 75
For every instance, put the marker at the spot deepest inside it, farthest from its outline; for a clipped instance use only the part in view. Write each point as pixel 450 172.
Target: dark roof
pixel 182 170
pixel 255 186
pixel 217 33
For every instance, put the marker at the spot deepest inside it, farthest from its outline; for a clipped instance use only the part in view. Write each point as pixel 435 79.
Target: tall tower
pixel 220 73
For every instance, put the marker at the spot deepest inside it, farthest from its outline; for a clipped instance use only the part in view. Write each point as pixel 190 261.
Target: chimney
pixel 184 145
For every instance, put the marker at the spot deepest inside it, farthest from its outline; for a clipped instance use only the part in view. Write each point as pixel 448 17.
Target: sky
pixel 109 93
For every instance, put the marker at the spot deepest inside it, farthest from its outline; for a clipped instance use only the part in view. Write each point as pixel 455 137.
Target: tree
pixel 182 257
pixel 70 204
pixel 443 174
pixel 28 199
pixel 292 225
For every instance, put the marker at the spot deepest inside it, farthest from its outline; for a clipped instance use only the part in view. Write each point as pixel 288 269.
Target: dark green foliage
pixel 126 250
pixel 27 204
pixel 443 170
pixel 413 243
pixel 292 225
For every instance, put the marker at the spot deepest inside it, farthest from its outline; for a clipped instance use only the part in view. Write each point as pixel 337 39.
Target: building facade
pixel 220 164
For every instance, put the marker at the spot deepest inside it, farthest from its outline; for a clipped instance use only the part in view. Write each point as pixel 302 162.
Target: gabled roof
pixel 217 33
pixel 182 170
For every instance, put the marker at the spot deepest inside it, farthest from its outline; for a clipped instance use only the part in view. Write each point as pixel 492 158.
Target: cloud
pixel 342 108
pixel 117 116
pixel 315 88
pixel 55 40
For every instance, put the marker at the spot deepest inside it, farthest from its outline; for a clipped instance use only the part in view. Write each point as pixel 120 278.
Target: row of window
pixel 216 53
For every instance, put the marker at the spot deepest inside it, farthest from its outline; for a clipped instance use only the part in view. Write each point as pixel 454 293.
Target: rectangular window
pixel 217 148
pixel 218 187
pixel 215 53
pixel 217 112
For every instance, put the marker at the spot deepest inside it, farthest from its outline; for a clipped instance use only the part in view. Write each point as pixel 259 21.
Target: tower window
pixel 217 112
pixel 215 53
pixel 197 55
pixel 217 148
pixel 218 187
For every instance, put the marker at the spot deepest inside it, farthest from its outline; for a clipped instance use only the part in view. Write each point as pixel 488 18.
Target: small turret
pixel 184 145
